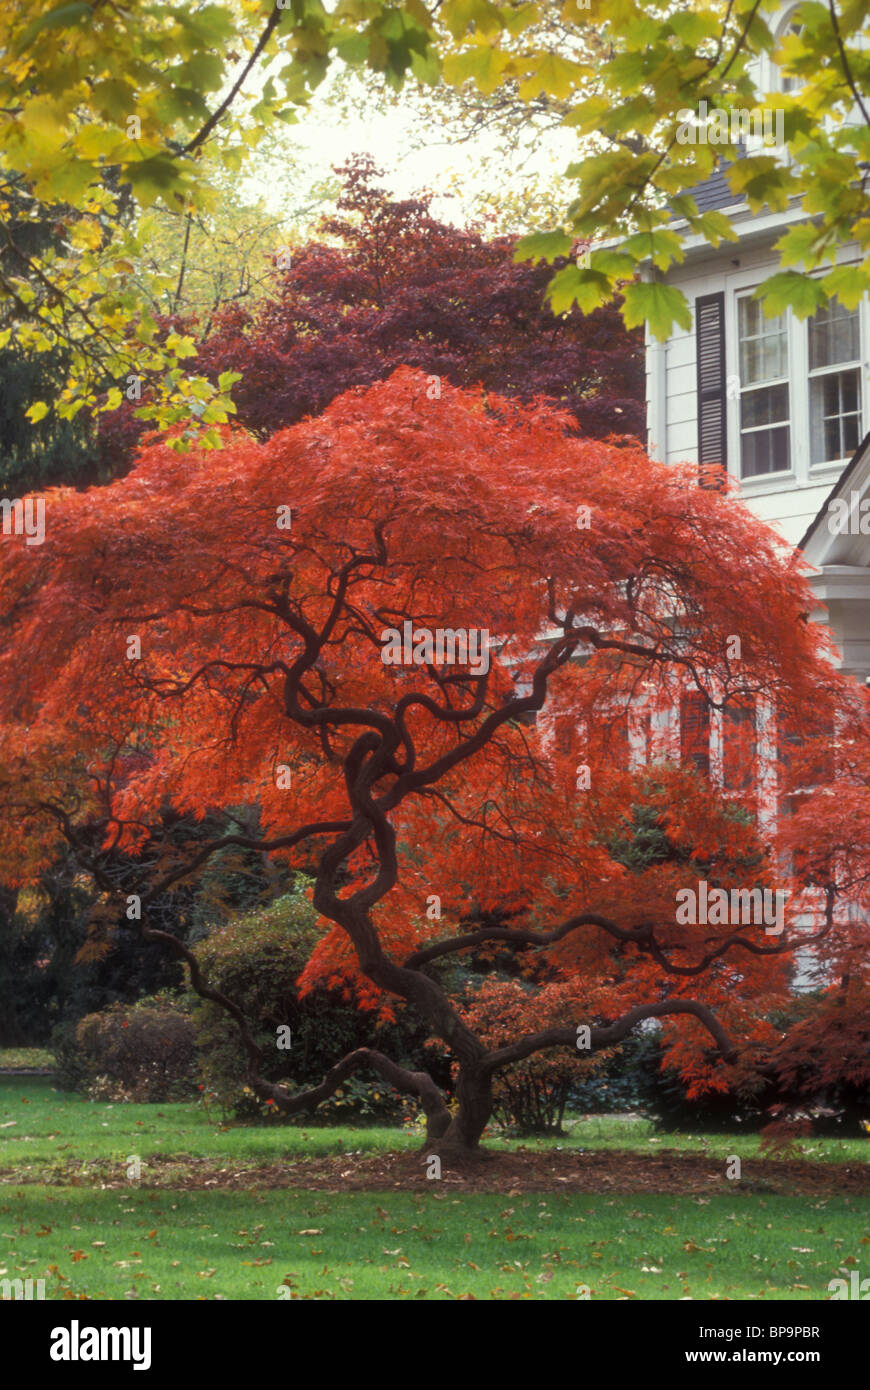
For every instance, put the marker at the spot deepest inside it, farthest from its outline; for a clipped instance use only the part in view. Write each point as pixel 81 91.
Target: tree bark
pixel 474 1110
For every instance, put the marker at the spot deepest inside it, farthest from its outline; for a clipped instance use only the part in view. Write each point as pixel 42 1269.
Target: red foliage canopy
pixel 215 629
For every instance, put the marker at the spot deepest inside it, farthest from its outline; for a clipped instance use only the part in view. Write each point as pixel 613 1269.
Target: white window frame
pixel 802 471
pixel 836 369
pixel 766 384
pixel 737 285
pixel 787 23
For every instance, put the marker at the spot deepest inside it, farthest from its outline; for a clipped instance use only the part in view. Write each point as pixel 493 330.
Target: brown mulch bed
pixel 516 1173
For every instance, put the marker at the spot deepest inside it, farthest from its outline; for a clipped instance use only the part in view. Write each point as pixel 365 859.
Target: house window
pixel 739 747
pixel 695 730
pixel 617 744
pixel 809 764
pixel 764 393
pixel 790 84
pixel 835 383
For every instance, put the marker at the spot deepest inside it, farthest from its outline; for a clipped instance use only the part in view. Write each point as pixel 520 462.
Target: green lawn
pixel 25 1057
pixel 42 1127
pixel 110 1243
pixel 233 1245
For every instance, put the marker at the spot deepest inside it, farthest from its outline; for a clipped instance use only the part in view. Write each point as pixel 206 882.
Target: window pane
pixel 765 451
pixel 820 344
pixel 831 395
pixel 849 392
pixel 835 416
pixel 832 440
pixel 738 745
pixel 834 336
pixel 763 344
pixel 791 84
pixel 846 338
pixel 750 317
pixel 775 356
pixel 695 730
pixel 767 406
pixel 764 411
pixel 750 361
pixel 851 434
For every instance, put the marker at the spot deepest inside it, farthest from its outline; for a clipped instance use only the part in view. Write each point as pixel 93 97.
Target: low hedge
pixel 144 1052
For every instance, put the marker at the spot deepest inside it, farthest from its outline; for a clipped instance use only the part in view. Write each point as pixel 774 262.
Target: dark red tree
pixel 387 286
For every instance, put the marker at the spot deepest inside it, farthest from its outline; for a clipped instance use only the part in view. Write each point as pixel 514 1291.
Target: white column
pixel 656 398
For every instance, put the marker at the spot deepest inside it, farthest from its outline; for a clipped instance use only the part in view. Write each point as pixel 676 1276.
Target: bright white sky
pixel 392 136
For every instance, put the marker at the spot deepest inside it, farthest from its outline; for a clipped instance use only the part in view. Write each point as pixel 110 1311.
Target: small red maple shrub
pixel 530 1095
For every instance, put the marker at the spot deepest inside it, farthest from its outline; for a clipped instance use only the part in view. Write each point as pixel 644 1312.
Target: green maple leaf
pixel 588 289
pixel 791 290
pixel 661 306
pixel 543 246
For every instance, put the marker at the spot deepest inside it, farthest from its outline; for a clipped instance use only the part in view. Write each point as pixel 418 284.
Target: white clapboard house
pixel 783 404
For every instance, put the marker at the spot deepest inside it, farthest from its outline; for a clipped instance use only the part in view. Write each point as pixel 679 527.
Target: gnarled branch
pixel 418 1083
pixel 610 1033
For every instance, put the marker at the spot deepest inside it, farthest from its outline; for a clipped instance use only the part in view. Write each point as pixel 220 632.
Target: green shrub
pixel 357 1099
pixel 143 1052
pixel 256 960
pixel 622 1081
pixel 71 1073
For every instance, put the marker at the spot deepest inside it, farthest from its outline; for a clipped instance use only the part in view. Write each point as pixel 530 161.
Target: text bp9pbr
pixel 728 1334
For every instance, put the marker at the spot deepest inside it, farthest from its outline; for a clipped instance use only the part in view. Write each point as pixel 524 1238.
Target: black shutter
pixel 710 345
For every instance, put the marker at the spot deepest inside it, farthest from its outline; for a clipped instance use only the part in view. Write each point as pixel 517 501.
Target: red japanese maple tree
pixel 274 623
